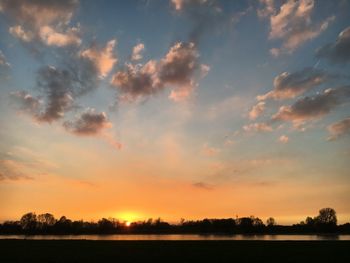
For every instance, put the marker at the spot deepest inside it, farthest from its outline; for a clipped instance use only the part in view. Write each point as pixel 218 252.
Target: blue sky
pixel 239 107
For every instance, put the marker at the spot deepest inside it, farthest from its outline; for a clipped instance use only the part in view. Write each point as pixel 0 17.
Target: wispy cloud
pixel 339 129
pixel 289 85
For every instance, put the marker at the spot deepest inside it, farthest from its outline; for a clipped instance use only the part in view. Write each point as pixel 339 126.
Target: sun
pixel 127 223
pixel 128 217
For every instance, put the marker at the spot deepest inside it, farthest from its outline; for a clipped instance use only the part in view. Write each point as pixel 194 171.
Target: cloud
pixel 257 127
pixel 21 163
pixel 137 80
pixel 178 69
pixel 283 139
pixel 104 59
pixel 204 16
pixel 26 102
pixel 338 52
pixel 209 151
pixel 267 8
pixel 58 89
pixel 53 38
pixel 18 32
pixel 88 123
pixel 137 52
pixel 339 129
pixel 293 24
pixel 44 21
pixel 310 108
pixel 289 85
pixel 12 170
pixel 179 64
pixel 179 5
pixel 203 185
pixel 4 65
pixel 257 110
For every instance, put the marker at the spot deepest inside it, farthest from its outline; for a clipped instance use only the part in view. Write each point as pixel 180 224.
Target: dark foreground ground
pixel 173 251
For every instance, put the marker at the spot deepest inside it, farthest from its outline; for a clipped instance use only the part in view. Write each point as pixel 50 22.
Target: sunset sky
pixel 174 109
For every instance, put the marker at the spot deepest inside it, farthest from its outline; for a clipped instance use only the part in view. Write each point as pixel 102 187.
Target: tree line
pixel 31 224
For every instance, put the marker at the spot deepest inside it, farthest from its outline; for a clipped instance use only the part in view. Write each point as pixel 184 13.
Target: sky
pixel 175 109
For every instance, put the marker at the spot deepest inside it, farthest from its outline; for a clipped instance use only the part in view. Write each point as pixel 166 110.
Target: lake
pixel 182 237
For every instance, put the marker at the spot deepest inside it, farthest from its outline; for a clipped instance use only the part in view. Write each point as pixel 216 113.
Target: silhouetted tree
pixel 309 221
pixel 326 221
pixel 270 222
pixel 327 216
pixel 46 223
pixel 29 222
pixel 105 225
pixel 46 220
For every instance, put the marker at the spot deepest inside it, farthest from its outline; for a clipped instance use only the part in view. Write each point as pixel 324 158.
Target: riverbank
pixel 173 251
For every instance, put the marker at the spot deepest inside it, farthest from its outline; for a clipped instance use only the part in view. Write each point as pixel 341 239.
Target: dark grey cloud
pixel 179 65
pixel 289 85
pixel 339 129
pixel 137 80
pixel 309 108
pixel 88 123
pixel 179 68
pixel 338 52
pixel 58 88
pixel 204 15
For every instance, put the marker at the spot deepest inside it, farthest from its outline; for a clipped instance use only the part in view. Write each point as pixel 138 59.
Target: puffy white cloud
pixel 137 52
pixel 103 58
pixel 289 85
pixel 293 24
pixel 44 21
pixel 53 38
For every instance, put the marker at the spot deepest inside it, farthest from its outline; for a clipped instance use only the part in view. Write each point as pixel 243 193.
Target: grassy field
pixel 173 251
